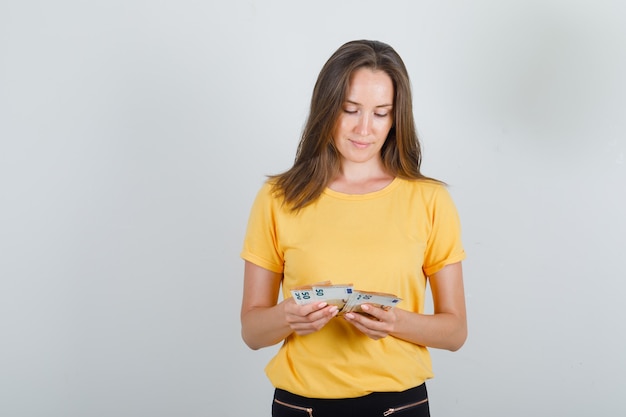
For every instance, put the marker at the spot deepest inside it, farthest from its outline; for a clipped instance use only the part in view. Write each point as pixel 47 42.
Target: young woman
pixel 354 208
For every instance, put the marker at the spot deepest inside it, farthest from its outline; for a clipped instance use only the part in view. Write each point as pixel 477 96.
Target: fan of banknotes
pixel 344 296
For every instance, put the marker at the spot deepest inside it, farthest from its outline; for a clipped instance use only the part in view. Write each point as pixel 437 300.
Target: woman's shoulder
pixel 268 185
pixel 425 185
pixel 429 191
pixel 269 196
pixel 267 190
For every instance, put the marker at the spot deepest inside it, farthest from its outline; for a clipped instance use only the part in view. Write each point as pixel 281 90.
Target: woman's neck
pixel 361 178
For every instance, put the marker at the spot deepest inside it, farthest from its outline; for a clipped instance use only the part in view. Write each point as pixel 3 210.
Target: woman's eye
pixel 381 114
pixel 349 111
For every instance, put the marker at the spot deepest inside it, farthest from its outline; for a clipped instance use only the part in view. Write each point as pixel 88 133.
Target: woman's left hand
pixel 377 325
pixel 446 328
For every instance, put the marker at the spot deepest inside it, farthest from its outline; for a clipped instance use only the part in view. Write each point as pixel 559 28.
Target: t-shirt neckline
pixel 374 194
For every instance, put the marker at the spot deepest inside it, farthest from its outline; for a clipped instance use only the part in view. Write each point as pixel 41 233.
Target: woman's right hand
pixel 264 321
pixel 308 318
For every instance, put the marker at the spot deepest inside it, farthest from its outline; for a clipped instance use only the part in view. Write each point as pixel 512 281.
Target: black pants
pixel 409 403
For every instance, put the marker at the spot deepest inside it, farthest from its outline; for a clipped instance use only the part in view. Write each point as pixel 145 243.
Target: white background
pixel 135 134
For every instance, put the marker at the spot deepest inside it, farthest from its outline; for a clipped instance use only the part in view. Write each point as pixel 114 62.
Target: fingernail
pixel 365 307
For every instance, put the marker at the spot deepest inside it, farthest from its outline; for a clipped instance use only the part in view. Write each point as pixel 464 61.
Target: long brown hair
pixel 317 160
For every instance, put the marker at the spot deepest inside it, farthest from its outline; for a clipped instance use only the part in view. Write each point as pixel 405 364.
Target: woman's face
pixel 366 117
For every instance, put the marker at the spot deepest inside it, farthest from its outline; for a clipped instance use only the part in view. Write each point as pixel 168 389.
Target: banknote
pixel 377 299
pixel 344 296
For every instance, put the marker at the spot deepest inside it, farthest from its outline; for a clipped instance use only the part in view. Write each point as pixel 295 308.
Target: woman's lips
pixel 358 144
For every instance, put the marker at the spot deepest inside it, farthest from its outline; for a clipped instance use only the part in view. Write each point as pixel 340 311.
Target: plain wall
pixel 135 134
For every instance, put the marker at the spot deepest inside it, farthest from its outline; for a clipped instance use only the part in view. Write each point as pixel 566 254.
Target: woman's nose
pixel 363 126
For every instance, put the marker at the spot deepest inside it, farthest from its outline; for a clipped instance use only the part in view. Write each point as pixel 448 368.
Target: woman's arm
pixel 264 322
pixel 445 329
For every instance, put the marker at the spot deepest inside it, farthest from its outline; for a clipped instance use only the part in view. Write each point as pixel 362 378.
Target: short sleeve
pixel 444 244
pixel 260 244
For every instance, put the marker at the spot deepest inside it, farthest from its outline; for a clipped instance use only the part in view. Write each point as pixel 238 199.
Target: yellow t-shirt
pixel 386 241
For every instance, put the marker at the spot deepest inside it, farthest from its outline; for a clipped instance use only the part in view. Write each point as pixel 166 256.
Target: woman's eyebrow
pixel 359 104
